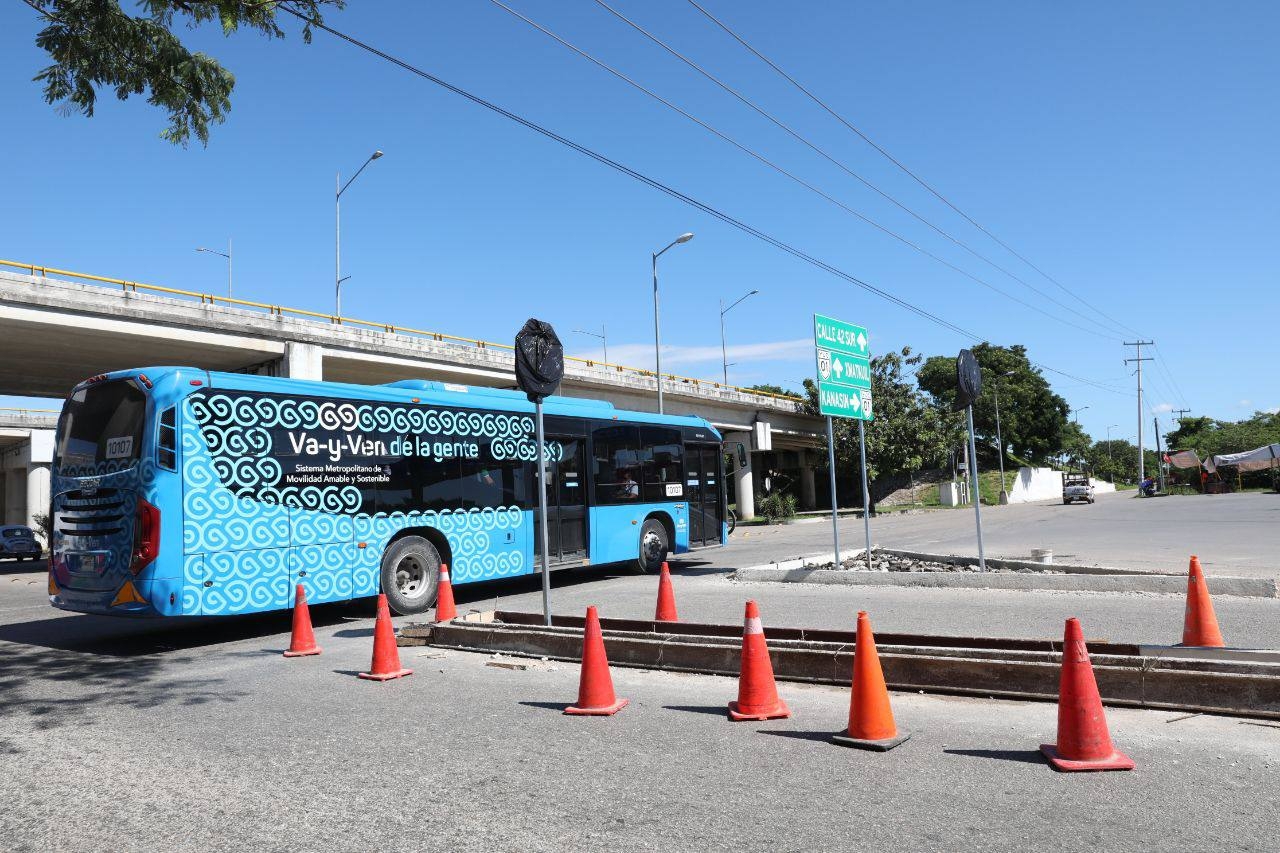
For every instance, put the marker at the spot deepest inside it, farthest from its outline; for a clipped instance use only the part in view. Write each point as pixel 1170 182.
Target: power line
pixel 811 187
pixel 838 163
pixel 919 180
pixel 661 187
pixel 645 179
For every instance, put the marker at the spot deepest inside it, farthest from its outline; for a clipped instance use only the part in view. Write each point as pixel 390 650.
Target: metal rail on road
pixel 390 328
pixel 1235 682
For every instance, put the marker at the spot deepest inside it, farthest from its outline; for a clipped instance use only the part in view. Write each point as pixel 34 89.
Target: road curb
pixel 1066 578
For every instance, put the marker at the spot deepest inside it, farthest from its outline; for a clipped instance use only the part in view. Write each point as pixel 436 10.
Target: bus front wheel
pixel 653 546
pixel 410 574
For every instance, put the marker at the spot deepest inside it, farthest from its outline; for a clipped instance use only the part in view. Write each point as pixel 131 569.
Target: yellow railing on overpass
pixel 390 328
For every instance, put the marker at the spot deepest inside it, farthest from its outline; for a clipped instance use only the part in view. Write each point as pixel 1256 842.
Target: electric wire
pixel 840 164
pixel 802 182
pixel 935 193
pixel 663 188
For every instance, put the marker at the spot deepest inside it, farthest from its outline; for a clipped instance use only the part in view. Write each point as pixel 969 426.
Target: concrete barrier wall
pixel 1045 484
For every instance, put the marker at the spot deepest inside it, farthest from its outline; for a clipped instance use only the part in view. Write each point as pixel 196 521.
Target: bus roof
pixel 422 391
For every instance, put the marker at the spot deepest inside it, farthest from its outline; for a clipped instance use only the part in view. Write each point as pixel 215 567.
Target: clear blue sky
pixel 1127 149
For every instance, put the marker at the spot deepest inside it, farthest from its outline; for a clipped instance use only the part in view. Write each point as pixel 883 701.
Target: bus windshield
pixel 102 423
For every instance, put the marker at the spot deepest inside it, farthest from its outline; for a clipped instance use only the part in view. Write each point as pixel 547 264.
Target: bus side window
pixel 616 458
pixel 167 440
pixel 663 452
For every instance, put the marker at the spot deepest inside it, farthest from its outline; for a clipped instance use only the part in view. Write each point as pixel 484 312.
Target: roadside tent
pixel 1183 459
pixel 1251 460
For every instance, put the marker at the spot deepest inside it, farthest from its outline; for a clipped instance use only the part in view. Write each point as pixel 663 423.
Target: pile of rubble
pixel 886 562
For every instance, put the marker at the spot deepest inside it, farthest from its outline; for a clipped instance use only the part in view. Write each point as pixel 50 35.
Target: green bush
pixel 778 507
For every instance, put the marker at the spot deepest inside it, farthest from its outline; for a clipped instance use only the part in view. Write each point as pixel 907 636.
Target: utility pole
pixel 1139 359
pixel 1178 413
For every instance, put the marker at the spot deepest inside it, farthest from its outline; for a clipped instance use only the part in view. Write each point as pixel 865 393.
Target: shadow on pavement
pixel 824 736
pixel 548 706
pixel 716 710
pixel 1024 756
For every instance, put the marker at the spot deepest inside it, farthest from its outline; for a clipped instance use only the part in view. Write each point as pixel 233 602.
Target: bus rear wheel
pixel 653 546
pixel 410 575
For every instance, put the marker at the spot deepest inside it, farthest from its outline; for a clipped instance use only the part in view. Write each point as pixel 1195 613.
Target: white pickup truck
pixel 1076 487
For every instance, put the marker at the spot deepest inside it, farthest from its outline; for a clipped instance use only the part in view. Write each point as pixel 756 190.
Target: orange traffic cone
pixel 1199 625
pixel 666 611
pixel 386 657
pixel 303 641
pixel 1083 740
pixel 757 693
pixel 595 688
pixel 445 608
pixel 871 724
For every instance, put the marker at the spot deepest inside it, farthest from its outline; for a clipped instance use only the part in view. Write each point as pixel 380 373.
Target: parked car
pixel 19 542
pixel 1076 487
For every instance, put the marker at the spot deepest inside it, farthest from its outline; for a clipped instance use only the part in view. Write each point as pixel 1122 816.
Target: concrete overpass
pixel 26 449
pixel 55 332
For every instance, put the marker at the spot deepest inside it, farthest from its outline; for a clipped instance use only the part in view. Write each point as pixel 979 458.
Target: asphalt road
pixel 197 735
pixel 207 740
pixel 1235 534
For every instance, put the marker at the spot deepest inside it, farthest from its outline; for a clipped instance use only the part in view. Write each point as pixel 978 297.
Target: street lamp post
pixel 657 333
pixel 1004 494
pixel 603 340
pixel 226 255
pixel 724 352
pixel 340 188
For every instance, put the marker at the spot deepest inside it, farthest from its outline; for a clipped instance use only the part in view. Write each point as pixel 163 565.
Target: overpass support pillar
pixel 808 494
pixel 744 489
pixel 37 492
pixel 303 361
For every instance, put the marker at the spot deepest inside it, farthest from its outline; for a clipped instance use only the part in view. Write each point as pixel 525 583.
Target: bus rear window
pixel 102 424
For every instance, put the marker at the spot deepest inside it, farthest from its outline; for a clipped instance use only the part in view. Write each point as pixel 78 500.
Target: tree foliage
pixel 908 433
pixel 95 44
pixel 1033 419
pixel 1208 437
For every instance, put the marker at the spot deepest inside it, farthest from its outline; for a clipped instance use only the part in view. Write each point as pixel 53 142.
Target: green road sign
pixel 844 368
pixel 839 336
pixel 841 401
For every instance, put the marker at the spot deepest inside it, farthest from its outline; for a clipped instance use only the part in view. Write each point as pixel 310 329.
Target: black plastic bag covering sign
pixel 539 360
pixel 968 380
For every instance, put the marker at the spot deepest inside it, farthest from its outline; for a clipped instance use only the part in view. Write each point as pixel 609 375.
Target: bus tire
pixel 654 546
pixel 410 575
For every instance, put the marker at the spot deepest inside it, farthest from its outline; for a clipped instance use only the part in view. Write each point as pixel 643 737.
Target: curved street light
pixel 724 353
pixel 340 188
pixel 657 333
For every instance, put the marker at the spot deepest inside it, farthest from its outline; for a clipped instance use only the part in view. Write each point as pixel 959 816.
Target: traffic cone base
pixel 1115 761
pixel 778 712
pixel 385 676
pixel 876 745
pixel 605 711
pixel 314 650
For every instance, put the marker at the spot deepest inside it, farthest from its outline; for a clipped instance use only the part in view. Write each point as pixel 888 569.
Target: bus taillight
pixel 146 536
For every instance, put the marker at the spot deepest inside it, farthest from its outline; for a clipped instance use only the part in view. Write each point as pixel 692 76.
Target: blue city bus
pixel 183 492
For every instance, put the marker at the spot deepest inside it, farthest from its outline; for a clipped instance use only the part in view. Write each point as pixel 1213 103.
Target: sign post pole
pixel 831 466
pixel 866 493
pixel 539 362
pixel 542 514
pixel 973 487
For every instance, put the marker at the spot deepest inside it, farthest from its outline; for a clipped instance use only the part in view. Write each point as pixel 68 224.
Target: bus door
pixel 566 503
pixel 704 491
